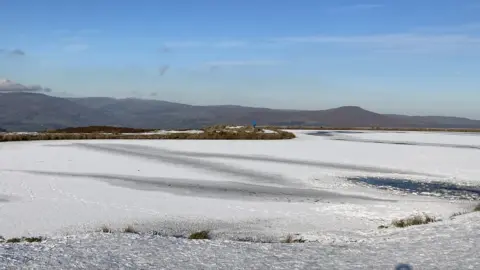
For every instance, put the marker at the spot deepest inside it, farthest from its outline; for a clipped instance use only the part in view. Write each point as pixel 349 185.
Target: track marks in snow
pixel 187 158
pixel 213 189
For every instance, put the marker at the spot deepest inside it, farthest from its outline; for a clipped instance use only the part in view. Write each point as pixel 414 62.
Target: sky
pixel 415 57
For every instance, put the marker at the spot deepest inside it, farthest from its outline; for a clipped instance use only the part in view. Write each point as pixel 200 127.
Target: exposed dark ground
pixel 434 188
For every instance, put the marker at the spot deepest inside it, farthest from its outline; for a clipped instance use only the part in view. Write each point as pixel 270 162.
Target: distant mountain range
pixel 35 112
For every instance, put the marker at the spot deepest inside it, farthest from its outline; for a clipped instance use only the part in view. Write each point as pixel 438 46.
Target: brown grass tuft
pixel 414 220
pixel 290 239
pixel 14 240
pixel 106 229
pixel 200 235
pixel 458 214
pixel 100 129
pixel 33 239
pixel 130 229
pixel 23 239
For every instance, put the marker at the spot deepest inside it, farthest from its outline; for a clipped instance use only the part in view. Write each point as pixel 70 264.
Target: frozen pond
pixel 319 188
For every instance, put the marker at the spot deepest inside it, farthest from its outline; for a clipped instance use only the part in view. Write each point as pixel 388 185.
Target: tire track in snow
pixel 214 189
pixel 182 160
pixel 175 157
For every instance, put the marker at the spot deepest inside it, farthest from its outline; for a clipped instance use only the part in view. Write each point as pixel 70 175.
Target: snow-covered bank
pixel 452 245
pixel 233 188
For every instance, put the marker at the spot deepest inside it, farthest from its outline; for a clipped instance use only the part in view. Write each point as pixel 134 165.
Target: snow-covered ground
pixel 242 189
pixel 467 138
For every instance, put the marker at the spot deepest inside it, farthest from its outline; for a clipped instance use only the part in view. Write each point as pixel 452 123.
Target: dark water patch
pixel 347 132
pixel 435 188
pixel 322 133
pixel 330 133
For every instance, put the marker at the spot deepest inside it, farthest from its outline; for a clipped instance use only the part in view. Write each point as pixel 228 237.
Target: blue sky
pixel 417 57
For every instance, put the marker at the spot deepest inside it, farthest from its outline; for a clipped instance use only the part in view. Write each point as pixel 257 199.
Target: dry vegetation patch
pixel 100 129
pixel 202 235
pixel 22 239
pixel 110 133
pixel 291 239
pixel 414 220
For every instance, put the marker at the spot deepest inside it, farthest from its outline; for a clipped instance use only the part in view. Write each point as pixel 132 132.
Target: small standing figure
pixel 254 124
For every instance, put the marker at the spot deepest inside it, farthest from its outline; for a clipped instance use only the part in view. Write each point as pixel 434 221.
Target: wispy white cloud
pixel 462 28
pixel 75 41
pixel 76 47
pixel 230 44
pixel 86 31
pixel 406 42
pixel 356 7
pixel 240 63
pixel 61 32
pixel 183 44
pixel 217 65
pixel 435 39
pixel 421 40
pixel 211 44
pixel 89 31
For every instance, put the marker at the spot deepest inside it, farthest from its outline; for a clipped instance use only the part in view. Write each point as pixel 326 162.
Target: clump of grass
pixel 414 220
pixel 475 209
pixel 383 227
pixel 458 214
pixel 100 129
pixel 14 240
pixel 200 235
pixel 33 239
pixel 246 239
pixel 106 229
pixel 94 134
pixel 22 239
pixel 254 240
pixel 290 239
pixel 130 229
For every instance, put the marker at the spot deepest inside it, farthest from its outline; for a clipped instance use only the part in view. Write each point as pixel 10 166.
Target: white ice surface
pixel 48 204
pixel 467 138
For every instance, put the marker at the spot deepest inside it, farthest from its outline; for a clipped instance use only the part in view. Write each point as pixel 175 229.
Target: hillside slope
pixel 34 111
